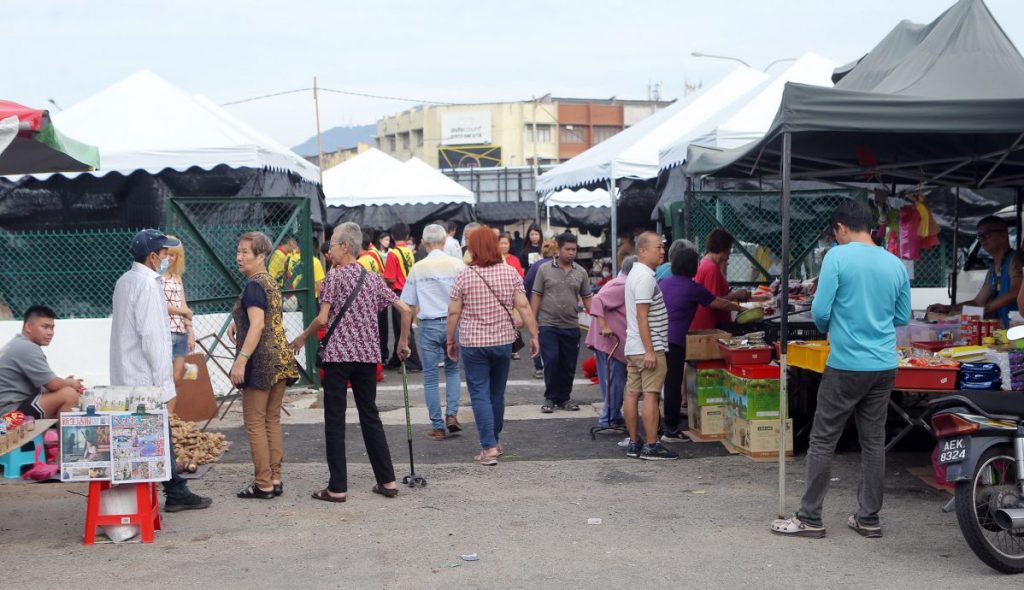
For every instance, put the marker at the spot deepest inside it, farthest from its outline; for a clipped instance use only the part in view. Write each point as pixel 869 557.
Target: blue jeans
pixel 433 348
pixel 611 391
pixel 486 375
pixel 559 349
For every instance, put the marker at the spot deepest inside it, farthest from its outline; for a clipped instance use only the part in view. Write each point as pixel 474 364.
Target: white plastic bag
pixel 119 500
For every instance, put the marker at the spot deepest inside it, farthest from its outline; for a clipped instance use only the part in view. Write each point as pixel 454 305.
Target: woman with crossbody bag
pixel 482 300
pixel 350 300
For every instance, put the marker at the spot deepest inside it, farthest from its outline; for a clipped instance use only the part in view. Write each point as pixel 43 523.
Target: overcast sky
pixel 453 51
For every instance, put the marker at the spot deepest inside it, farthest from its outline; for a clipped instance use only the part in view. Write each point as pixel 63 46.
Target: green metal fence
pixel 755 220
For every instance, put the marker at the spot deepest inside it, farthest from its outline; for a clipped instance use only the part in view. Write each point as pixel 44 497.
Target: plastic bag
pixel 119 500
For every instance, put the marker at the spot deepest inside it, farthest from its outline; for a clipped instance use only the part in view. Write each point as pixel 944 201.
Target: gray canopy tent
pixel 938 104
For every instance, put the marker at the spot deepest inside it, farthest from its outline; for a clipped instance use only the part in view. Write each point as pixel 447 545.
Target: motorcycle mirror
pixel 1015 333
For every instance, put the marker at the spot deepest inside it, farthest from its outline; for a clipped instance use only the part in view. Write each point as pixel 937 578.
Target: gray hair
pixel 259 243
pixel 628 262
pixel 350 234
pixel 434 234
pixel 470 228
pixel 679 245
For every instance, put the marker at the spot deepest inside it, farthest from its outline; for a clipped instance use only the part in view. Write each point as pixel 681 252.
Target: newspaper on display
pixel 120 447
pixel 122 398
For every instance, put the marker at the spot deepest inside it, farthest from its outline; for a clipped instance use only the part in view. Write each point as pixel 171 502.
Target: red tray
pixel 926 378
pixel 932 345
pixel 756 371
pixel 746 356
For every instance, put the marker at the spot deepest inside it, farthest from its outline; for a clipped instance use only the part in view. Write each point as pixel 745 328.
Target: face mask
pixel 605 274
pixel 165 263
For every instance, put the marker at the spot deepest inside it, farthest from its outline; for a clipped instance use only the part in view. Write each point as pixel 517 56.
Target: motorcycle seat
pixel 1002 403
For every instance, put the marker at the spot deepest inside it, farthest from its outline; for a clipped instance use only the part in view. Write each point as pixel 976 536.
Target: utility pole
pixel 536 164
pixel 319 143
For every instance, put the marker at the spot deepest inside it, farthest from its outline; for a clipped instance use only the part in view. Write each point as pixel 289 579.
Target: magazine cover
pixel 84 447
pixel 141 447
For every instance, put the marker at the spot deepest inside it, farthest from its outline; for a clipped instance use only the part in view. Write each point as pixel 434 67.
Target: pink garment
pixel 910 242
pixel 610 304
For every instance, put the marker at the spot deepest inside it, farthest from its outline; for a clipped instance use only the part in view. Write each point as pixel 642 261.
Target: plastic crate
pixel 809 355
pixel 940 378
pixel 760 355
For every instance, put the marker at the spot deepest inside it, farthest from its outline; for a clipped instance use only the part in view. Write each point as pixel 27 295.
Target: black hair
pixel 994 220
pixel 684 262
pixel 325 247
pixel 854 214
pixel 451 226
pixel 39 311
pixel 718 241
pixel 566 238
pixel 400 232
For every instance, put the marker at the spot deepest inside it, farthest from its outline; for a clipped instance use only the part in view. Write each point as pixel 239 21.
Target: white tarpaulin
pixel 578 198
pixel 633 153
pixel 751 119
pixel 146 123
pixel 375 178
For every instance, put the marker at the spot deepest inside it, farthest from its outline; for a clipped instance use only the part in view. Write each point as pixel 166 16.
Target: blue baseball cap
pixel 148 241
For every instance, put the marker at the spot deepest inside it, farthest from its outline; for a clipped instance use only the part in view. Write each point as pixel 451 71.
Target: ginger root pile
pixel 193 448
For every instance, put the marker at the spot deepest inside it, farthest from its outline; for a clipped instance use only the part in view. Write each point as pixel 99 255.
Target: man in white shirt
pixel 140 339
pixel 646 343
pixel 451 245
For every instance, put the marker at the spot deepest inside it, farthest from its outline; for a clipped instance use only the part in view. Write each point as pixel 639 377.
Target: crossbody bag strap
pixel 344 308
pixel 478 273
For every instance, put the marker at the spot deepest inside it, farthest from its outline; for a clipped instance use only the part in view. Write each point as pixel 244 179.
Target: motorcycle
pixel 981 446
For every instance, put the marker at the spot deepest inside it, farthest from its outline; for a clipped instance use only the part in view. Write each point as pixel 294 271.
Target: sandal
pixel 501 451
pixel 548 408
pixel 794 527
pixel 326 496
pixel 570 406
pixel 864 530
pixel 253 492
pixel 484 459
pixel 383 491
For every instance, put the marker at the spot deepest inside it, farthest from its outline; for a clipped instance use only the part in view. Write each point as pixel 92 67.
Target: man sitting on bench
pixel 27 384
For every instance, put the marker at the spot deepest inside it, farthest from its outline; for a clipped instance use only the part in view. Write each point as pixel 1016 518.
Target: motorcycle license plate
pixel 953 450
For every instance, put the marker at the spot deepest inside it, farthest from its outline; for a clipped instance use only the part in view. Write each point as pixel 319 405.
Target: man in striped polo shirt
pixel 646 343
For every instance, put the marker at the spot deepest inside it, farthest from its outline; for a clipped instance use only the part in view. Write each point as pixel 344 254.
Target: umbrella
pixel 30 144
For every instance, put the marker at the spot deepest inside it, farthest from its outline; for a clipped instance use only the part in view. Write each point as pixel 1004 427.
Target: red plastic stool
pixel 146 515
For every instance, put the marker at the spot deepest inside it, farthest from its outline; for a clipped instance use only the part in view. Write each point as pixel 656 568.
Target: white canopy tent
pixel 146 123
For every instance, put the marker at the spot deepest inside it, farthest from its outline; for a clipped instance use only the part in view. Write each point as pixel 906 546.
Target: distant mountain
pixel 338 138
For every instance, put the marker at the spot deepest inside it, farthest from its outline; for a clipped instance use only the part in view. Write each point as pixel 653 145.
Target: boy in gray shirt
pixel 27 384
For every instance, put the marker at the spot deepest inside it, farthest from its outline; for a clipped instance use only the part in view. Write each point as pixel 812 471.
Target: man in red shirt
pixel 396 268
pixel 711 274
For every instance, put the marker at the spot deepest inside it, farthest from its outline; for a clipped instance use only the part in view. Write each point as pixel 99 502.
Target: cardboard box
pixel 705 420
pixel 703 344
pixel 758 436
pixel 753 399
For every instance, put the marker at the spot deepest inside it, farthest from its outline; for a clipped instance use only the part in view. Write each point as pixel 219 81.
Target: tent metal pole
pixel 612 189
pixel 1020 206
pixel 787 153
pixel 956 248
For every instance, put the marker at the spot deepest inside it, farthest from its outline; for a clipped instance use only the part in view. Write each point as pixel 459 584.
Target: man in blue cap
pixel 140 340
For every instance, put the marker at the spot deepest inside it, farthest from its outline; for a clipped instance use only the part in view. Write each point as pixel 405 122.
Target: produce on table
pixel 193 448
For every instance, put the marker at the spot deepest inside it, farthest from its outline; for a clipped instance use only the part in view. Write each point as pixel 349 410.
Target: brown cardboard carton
pixel 703 344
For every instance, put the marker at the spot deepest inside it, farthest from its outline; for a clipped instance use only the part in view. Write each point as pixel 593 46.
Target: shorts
pixel 31 407
pixel 179 344
pixel 642 379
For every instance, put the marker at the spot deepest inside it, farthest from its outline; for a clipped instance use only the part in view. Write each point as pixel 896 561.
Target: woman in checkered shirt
pixel 483 297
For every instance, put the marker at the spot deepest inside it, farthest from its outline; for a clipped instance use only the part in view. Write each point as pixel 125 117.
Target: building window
pixel 391 143
pixel 543 133
pixel 603 132
pixel 417 135
pixel 570 134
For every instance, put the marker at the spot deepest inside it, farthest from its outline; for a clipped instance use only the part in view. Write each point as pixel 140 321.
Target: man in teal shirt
pixel 863 295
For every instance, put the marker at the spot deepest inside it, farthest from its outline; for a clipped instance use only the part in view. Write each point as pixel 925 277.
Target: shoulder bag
pixel 337 319
pixel 518 343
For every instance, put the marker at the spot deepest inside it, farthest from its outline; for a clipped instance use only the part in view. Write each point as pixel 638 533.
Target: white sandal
pixel 794 527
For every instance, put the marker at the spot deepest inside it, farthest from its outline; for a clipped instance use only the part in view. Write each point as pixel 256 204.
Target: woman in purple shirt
pixel 682 296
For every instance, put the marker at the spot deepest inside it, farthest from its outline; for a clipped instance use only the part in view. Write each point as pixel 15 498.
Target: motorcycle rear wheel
pixel 996 474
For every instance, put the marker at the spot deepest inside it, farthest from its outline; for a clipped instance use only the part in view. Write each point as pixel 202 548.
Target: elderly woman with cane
pixel 263 365
pixel 606 338
pixel 482 300
pixel 350 301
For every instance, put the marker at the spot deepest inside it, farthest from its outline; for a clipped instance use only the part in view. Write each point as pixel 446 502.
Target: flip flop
pixel 327 497
pixel 794 527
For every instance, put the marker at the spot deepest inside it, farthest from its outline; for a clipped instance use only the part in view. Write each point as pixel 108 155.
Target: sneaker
pixel 538 373
pixel 871 531
pixel 674 437
pixel 633 448
pixel 452 422
pixel 657 452
pixel 190 502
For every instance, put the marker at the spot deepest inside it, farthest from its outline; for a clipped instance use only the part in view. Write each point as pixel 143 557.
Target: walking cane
pixel 412 480
pixel 608 394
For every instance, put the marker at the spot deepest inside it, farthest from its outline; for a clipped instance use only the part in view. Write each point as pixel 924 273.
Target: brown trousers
pixel 261 411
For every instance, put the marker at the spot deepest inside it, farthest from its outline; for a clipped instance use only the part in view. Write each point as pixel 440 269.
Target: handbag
pixel 518 343
pixel 337 320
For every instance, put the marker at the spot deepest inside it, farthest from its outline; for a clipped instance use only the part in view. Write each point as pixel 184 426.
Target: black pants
pixel 413 362
pixel 364 389
pixel 559 349
pixel 675 359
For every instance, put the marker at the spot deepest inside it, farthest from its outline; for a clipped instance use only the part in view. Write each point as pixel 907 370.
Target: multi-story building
pixel 549 130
